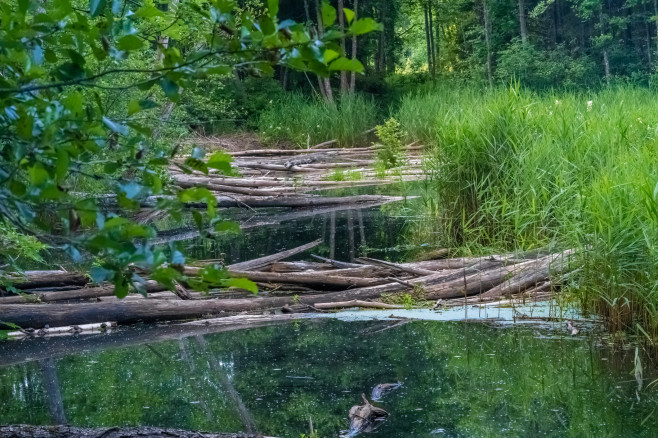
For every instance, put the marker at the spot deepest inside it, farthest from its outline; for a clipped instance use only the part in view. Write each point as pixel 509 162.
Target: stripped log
pixel 532 274
pixel 264 261
pixel 396 266
pixel 357 303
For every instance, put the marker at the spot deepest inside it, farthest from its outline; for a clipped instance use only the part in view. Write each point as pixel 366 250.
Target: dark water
pixel 458 379
pixel 380 231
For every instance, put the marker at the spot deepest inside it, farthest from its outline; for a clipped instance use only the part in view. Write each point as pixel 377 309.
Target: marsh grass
pixel 516 170
pixel 307 121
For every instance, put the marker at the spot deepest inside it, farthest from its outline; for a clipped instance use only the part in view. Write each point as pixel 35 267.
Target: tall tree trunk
pixel 655 13
pixel 429 12
pixel 341 24
pixel 354 48
pixel 428 42
pixel 324 82
pixel 487 39
pixel 522 22
pixel 647 35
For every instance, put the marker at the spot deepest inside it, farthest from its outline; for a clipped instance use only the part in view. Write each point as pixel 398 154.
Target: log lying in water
pixel 25 431
pixel 38 279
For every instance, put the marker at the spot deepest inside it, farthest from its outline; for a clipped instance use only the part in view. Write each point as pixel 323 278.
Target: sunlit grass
pixel 307 122
pixel 516 170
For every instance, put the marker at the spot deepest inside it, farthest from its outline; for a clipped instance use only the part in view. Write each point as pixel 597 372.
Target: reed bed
pixel 511 169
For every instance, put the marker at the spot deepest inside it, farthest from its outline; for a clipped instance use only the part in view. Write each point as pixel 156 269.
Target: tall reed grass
pixel 307 121
pixel 516 170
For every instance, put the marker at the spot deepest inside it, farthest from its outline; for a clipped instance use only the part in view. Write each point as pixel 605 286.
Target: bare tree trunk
pixel 429 13
pixel 522 22
pixel 324 82
pixel 341 25
pixel 487 39
pixel 354 48
pixel 428 41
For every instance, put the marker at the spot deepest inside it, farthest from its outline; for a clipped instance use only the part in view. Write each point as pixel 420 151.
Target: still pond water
pixel 457 379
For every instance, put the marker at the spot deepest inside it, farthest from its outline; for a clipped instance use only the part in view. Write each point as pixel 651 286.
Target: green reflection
pixel 458 380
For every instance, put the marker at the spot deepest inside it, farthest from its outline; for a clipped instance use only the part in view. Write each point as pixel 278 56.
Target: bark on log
pixel 25 431
pixel 264 261
pixel 36 279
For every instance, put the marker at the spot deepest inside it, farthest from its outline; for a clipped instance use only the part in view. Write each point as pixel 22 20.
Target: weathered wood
pixel 25 431
pixel 37 279
pixel 266 260
pixel 396 266
pixel 357 303
pixel 73 294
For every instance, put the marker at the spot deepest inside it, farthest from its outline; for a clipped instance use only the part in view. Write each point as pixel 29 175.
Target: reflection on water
pixel 457 379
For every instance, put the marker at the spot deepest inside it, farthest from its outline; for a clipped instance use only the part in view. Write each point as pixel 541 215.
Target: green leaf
pixel 130 42
pixel 346 64
pixel 349 15
pixel 328 14
pixel 96 7
pixel 222 162
pixel 273 7
pixel 242 283
pixel 364 25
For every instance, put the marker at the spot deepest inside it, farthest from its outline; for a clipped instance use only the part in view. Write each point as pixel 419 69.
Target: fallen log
pixel 264 261
pixel 357 303
pixel 532 273
pixel 38 279
pixel 73 294
pixel 25 431
pixel 395 266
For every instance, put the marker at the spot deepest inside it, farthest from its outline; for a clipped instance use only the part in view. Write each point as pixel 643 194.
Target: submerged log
pixel 25 431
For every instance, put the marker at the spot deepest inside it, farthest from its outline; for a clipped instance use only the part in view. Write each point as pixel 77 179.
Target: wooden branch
pixel 264 261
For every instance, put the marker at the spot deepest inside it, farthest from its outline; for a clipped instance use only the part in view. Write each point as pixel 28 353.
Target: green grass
pixel 516 170
pixel 305 121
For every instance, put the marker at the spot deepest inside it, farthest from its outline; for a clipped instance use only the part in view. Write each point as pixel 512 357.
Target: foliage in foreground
pixel 77 78
pixel 516 170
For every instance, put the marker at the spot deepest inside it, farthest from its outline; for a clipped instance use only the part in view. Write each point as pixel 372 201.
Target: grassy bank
pixel 516 170
pixel 306 121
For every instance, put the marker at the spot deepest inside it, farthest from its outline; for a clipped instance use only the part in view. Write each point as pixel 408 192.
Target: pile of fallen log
pixel 294 286
pixel 284 178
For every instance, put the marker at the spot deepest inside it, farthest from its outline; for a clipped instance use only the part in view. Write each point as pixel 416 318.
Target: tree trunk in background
pixel 522 22
pixel 427 39
pixel 487 39
pixel 324 82
pixel 429 12
pixel 341 24
pixel 655 13
pixel 647 36
pixel 354 47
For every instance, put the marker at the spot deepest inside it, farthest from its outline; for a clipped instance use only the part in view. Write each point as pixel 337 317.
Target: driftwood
pixel 264 261
pixel 25 431
pixel 356 303
pixel 364 418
